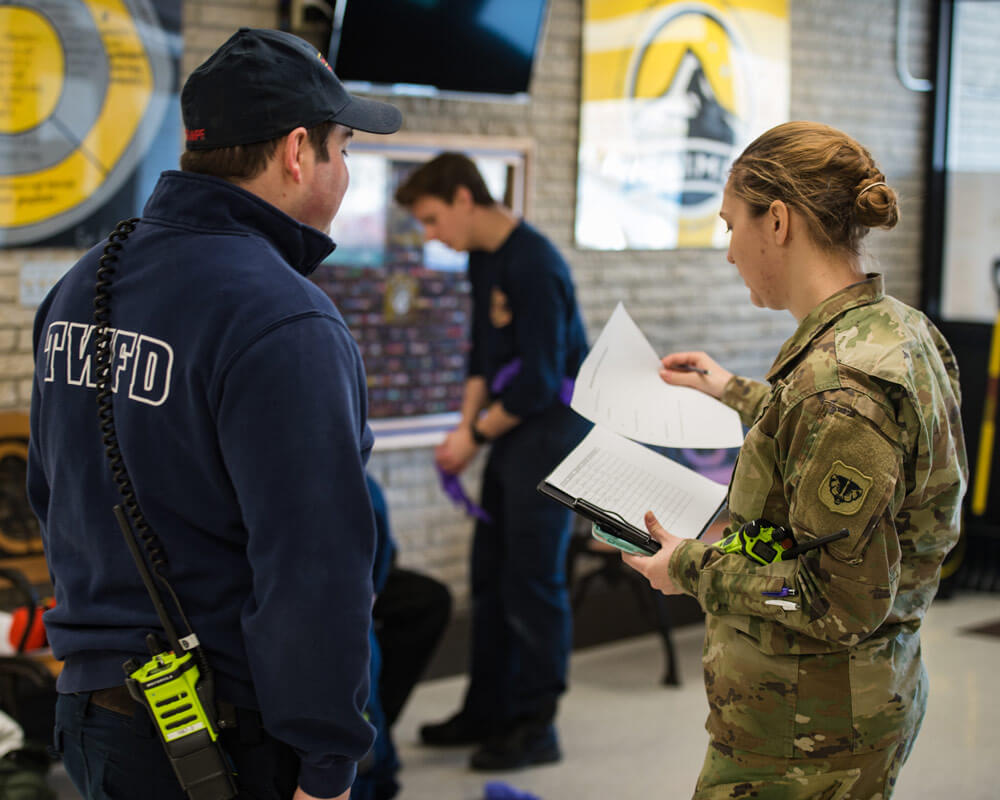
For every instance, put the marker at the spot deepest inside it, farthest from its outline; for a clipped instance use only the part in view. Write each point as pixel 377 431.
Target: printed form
pixel 619 386
pixel 623 477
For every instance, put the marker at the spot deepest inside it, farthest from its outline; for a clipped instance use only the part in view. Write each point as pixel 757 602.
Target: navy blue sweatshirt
pixel 240 406
pixel 524 306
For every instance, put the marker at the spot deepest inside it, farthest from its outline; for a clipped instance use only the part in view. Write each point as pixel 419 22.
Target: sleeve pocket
pixel 845 480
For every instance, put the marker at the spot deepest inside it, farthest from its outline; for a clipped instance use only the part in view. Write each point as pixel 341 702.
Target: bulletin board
pixel 407 301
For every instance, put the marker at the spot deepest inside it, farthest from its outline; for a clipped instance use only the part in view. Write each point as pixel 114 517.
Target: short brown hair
pixel 440 177
pixel 822 173
pixel 243 162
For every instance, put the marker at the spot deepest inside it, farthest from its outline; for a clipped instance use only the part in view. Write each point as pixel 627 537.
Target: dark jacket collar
pixel 204 203
pixel 825 314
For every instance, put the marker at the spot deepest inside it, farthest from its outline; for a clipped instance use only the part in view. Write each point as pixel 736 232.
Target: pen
pixel 688 368
pixel 784 592
pixel 784 605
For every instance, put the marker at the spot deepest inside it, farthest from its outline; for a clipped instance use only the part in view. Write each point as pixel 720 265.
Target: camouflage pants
pixel 738 775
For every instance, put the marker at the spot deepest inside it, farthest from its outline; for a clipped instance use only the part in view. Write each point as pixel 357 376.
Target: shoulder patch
pixel 844 489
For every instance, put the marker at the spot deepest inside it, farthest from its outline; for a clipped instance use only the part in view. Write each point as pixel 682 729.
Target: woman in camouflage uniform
pixel 821 694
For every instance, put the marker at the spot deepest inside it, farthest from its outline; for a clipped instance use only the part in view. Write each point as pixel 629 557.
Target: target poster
pixel 88 114
pixel 672 92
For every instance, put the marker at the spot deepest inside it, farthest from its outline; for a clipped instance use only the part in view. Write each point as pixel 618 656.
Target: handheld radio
pixel 176 685
pixel 765 542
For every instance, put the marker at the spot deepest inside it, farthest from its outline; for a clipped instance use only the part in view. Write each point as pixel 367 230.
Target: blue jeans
pixel 111 756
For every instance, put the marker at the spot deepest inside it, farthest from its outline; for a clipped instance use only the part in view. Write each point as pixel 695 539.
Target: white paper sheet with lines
pixel 618 475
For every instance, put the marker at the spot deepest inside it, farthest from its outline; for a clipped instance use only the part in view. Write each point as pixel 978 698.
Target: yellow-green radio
pixel 765 542
pixel 167 684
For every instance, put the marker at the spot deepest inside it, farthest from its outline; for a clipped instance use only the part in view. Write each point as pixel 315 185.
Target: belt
pixel 118 699
pixel 115 699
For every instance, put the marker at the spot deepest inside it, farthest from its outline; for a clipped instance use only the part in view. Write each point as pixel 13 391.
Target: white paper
pixel 618 475
pixel 619 386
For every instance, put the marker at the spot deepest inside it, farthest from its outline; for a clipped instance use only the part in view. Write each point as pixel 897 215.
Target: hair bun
pixel 822 173
pixel 876 205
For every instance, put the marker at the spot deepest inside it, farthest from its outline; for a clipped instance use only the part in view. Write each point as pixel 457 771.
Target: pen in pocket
pixel 784 605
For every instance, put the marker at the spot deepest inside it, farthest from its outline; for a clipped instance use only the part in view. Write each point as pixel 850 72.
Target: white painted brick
pixel 10 262
pixel 24 392
pixel 13 314
pixel 24 344
pixel 16 365
pixel 9 288
pixel 8 396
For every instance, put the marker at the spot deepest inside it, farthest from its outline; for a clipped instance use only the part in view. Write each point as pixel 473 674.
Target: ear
pixel 778 220
pixel 462 197
pixel 291 151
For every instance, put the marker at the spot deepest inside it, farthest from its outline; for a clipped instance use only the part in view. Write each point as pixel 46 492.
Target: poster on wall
pixel 89 114
pixel 671 93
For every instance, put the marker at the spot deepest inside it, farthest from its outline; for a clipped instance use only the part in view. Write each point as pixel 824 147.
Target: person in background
pixel 409 617
pixel 527 341
pixel 240 408
pixel 812 665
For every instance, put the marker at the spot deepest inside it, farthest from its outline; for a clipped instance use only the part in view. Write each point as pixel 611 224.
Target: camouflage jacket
pixel 859 428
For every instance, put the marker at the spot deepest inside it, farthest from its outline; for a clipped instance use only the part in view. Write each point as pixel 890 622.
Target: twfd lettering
pixel 195 134
pixel 140 361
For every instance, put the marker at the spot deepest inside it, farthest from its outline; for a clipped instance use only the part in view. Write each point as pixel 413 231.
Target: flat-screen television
pixel 437 46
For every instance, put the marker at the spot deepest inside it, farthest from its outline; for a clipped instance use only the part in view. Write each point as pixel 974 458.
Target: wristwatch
pixel 477 435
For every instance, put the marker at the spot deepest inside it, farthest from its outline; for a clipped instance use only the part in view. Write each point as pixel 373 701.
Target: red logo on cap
pixel 195 135
pixel 324 61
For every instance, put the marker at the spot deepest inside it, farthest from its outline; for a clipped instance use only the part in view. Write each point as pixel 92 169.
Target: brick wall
pixel 842 73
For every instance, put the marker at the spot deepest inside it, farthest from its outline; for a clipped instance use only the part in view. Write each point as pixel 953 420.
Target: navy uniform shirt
pixel 524 306
pixel 241 409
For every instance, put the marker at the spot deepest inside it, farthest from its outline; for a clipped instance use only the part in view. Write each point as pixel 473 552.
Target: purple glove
pixel 453 488
pixel 507 372
pixel 495 790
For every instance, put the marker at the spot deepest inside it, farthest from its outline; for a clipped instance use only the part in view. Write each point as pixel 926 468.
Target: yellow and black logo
pixel 689 83
pixel 844 489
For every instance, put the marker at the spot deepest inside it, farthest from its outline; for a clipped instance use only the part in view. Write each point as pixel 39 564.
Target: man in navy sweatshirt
pixel 528 343
pixel 240 408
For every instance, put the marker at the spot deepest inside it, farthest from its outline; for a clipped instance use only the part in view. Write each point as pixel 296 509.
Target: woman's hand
pixel 655 568
pixel 696 370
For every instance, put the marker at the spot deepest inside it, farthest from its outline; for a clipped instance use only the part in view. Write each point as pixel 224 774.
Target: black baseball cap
pixel 263 83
